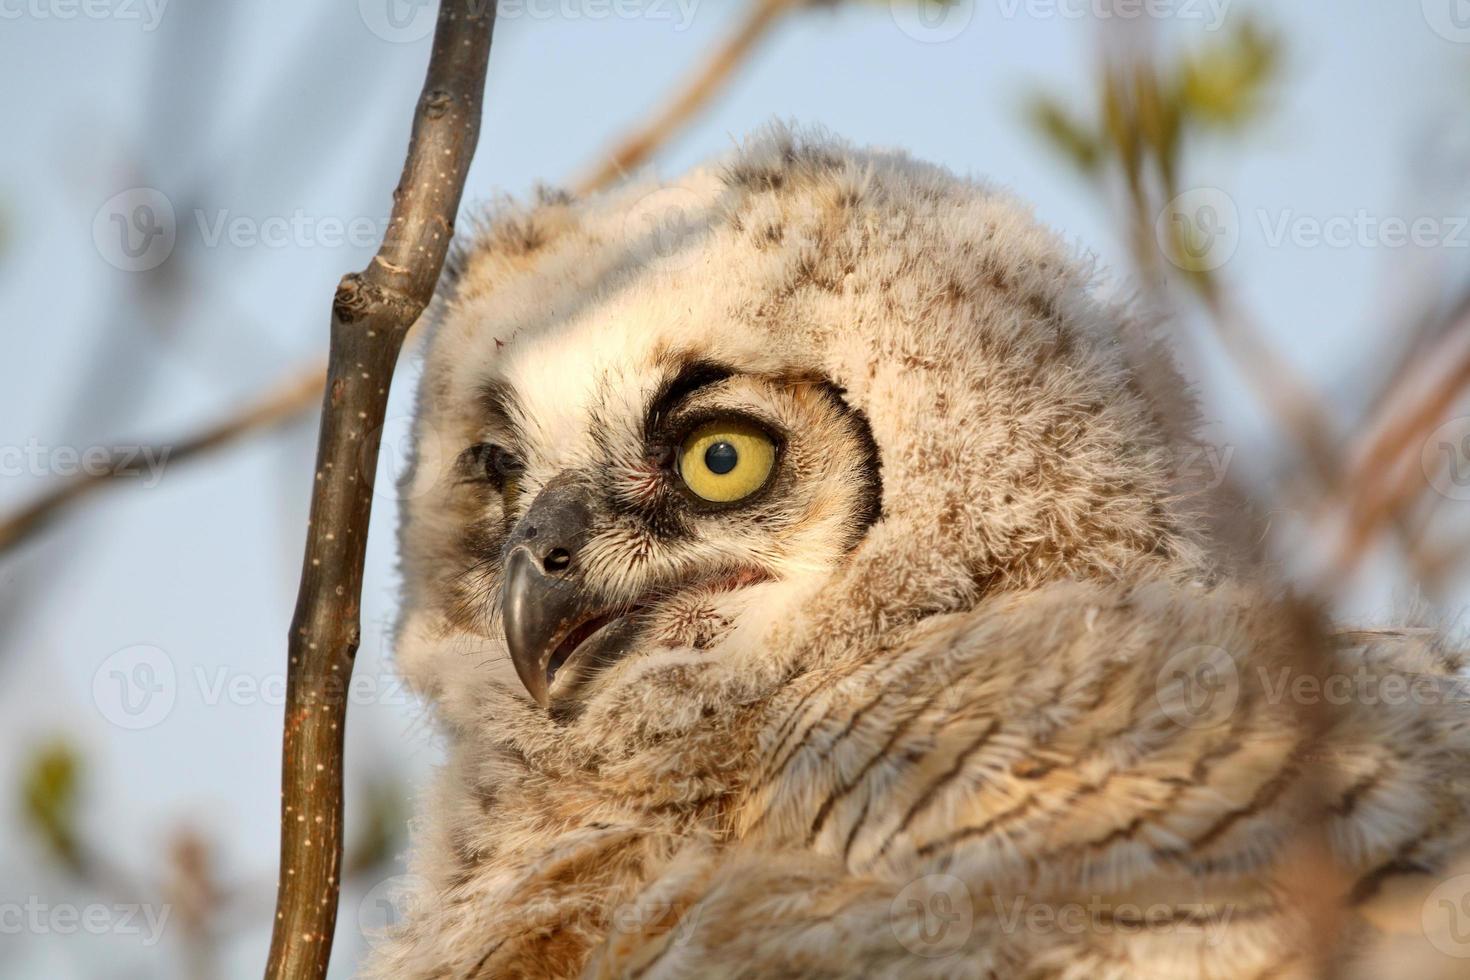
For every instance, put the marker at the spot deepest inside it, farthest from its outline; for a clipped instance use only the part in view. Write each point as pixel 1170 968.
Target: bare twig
pixel 1389 476
pixel 715 72
pixel 371 314
pixel 276 407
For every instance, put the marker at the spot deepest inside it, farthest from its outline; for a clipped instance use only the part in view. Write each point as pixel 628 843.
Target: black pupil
pixel 721 458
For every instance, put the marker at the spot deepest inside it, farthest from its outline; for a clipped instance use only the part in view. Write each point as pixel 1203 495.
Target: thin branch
pixel 371 314
pixel 719 68
pixel 275 408
pixel 1389 477
pixel 713 76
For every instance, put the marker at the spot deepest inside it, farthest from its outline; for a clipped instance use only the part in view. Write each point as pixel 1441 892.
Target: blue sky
pixel 291 112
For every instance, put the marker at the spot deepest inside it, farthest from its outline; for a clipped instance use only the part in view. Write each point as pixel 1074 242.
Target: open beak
pixel 548 612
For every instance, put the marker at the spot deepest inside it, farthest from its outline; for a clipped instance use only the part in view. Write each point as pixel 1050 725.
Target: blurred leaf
pixel 1226 83
pixel 1159 117
pixel 49 793
pixel 1069 136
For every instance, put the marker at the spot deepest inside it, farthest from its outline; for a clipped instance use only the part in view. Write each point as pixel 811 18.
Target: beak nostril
pixel 557 560
pixel 530 533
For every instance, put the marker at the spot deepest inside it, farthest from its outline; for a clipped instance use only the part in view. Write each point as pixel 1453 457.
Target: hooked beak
pixel 548 612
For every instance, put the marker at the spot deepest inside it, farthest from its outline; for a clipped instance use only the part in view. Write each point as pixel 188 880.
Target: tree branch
pixel 276 407
pixel 716 72
pixel 371 315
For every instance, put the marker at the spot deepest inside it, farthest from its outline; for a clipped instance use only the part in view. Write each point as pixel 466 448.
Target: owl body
pixel 883 637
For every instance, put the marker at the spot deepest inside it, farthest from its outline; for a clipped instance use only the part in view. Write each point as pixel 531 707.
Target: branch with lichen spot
pixel 371 314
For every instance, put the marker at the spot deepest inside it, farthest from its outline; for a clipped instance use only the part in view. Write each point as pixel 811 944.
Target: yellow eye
pixel 727 460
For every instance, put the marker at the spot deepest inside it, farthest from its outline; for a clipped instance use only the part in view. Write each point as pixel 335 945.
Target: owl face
pixel 853 391
pixel 630 503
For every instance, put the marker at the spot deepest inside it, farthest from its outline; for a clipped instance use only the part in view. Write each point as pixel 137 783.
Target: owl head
pixel 799 398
